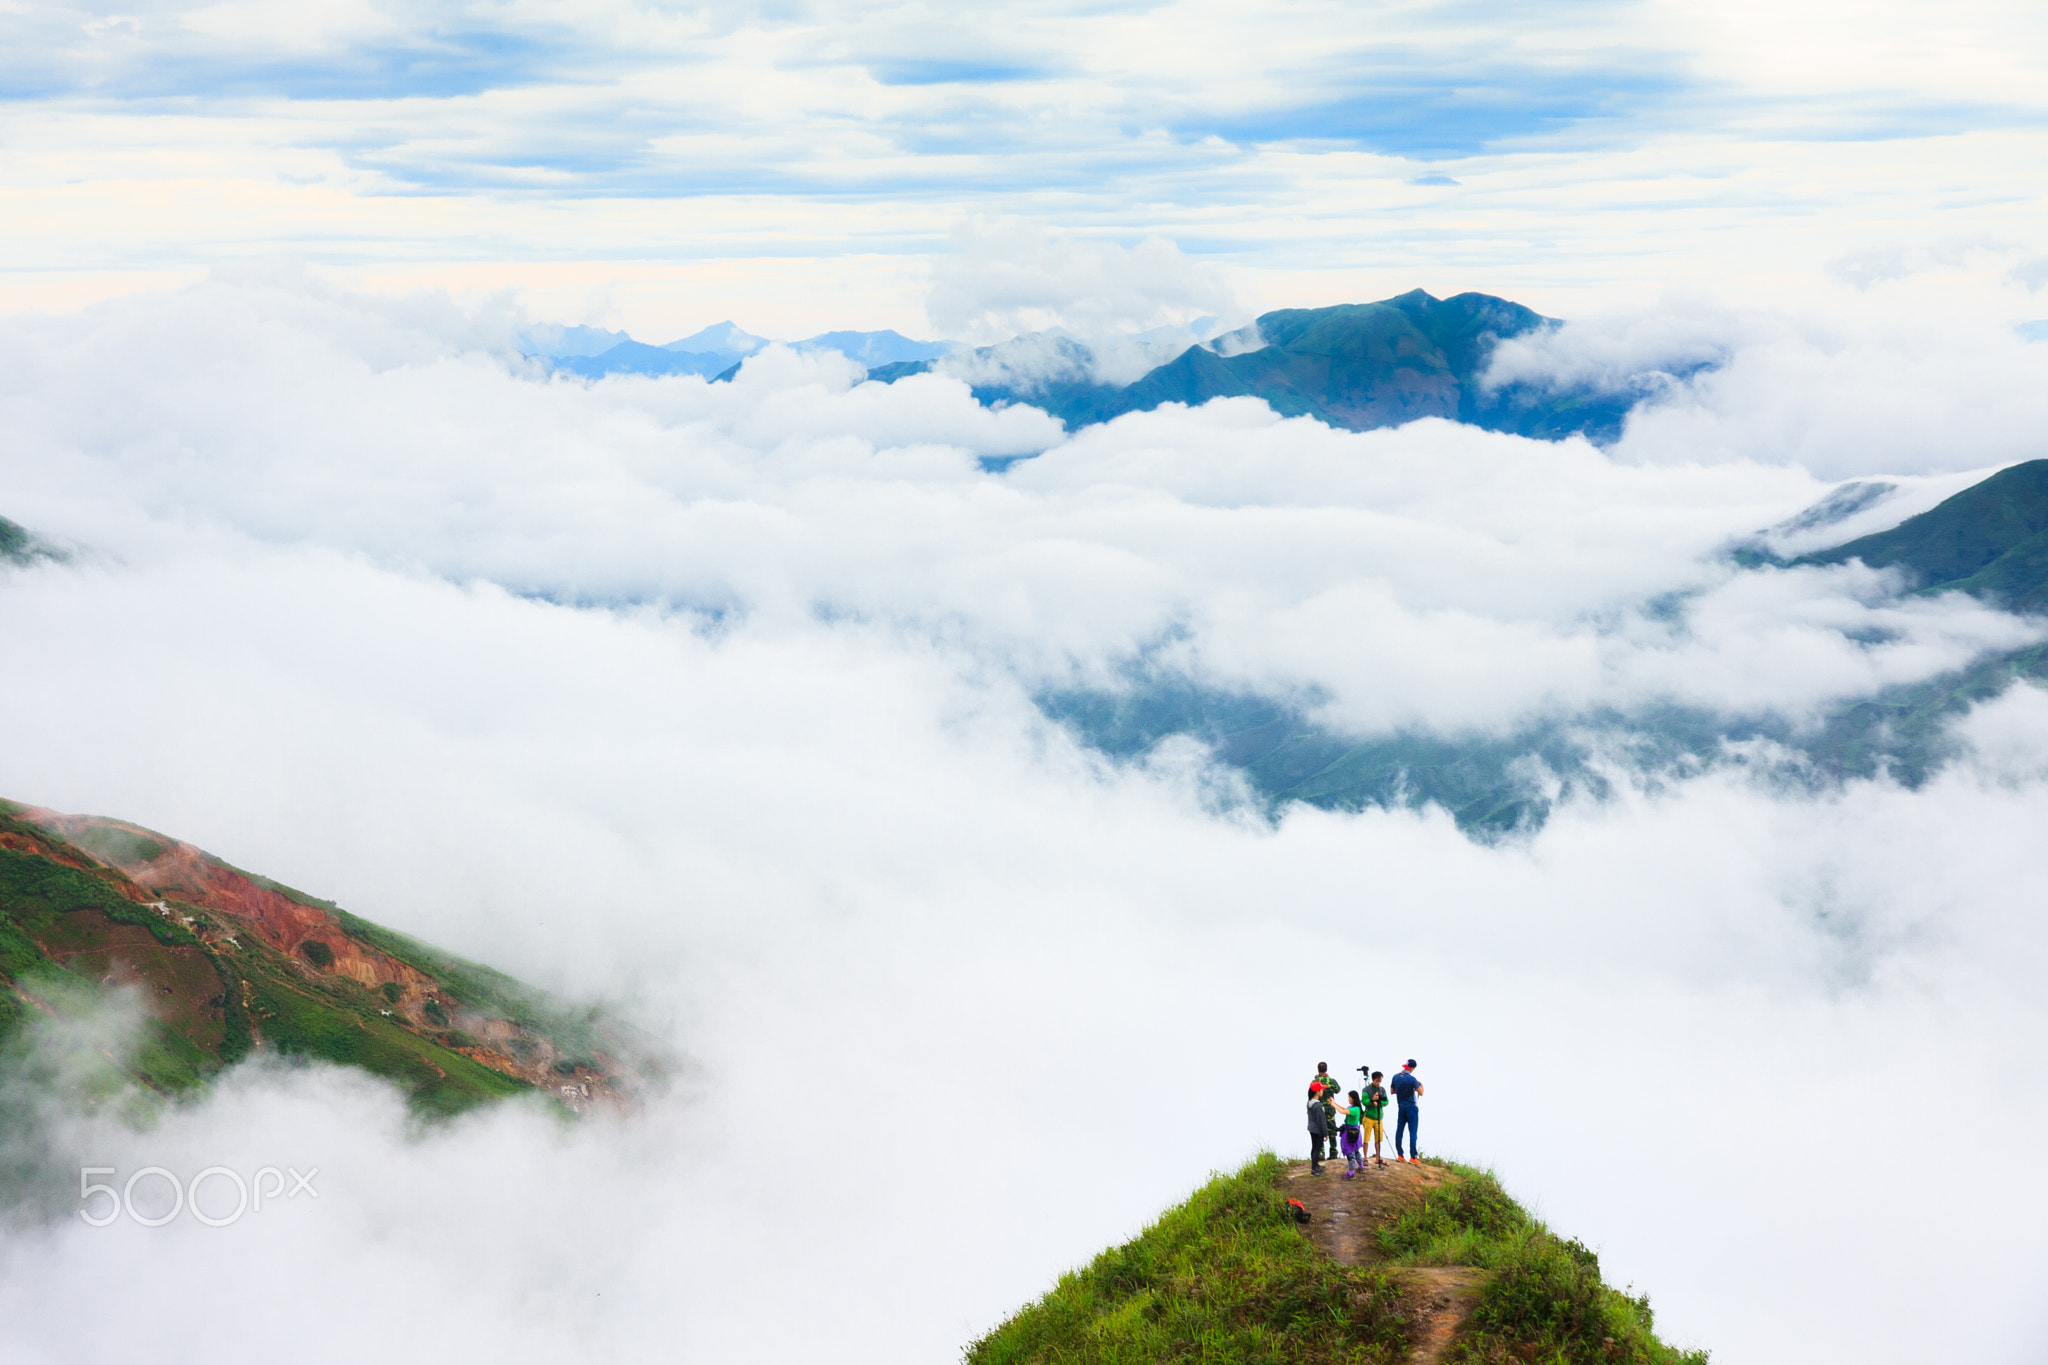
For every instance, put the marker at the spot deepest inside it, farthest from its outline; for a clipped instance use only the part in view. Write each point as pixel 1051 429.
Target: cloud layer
pixel 714 700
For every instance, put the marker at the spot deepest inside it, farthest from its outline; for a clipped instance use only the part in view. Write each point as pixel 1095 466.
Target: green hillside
pixel 214 982
pixel 1990 540
pixel 1231 1276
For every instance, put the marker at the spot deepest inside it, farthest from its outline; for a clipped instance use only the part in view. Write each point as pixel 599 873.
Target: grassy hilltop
pixel 1429 1264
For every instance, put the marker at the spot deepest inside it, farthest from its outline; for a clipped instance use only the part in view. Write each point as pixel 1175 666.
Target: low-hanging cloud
pixel 714 700
pixel 1878 384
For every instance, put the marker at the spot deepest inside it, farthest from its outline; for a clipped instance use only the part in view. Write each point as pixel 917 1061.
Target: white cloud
pixel 1907 383
pixel 1012 276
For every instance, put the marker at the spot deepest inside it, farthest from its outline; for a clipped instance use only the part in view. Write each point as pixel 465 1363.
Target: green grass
pixel 35 897
pixel 35 890
pixel 19 954
pixel 166 1060
pixel 1544 1302
pixel 120 845
pixel 1226 1278
pixel 575 1033
pixel 236 1036
pixel 336 1022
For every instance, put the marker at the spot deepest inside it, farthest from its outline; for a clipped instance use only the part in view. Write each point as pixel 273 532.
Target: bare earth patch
pixel 1346 1215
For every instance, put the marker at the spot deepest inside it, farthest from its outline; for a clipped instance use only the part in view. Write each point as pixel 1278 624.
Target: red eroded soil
pixel 182 872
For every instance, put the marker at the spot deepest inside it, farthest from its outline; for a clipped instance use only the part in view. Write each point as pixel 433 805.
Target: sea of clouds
pixel 714 701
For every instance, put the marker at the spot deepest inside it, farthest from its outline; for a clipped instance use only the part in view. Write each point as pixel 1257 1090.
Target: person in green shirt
pixel 1370 1128
pixel 1322 1080
pixel 1327 1098
pixel 1354 1150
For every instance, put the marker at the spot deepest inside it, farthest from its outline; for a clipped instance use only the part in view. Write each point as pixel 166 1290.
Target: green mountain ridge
pixel 1990 540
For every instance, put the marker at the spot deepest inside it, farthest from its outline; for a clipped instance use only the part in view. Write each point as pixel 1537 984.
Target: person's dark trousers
pixel 1315 1153
pixel 1409 1117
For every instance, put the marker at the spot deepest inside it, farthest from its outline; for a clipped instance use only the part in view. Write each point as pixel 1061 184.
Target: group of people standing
pixel 1359 1121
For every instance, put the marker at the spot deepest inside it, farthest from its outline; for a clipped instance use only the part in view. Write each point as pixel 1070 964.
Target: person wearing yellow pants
pixel 1372 1104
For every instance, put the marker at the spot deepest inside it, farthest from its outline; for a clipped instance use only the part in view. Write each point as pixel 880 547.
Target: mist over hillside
pixel 762 707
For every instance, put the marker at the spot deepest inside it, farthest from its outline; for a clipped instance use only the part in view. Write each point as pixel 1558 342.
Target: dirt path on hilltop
pixel 1346 1218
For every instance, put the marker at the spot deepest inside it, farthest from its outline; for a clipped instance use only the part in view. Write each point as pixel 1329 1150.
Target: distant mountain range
pixel 1356 366
pixel 712 353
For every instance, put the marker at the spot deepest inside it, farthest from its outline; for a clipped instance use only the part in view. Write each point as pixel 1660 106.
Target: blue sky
pixel 152 143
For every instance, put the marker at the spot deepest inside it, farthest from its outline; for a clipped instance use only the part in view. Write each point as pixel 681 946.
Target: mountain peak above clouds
pixel 1357 366
pixel 553 341
pixel 712 353
pixel 637 357
pixel 872 349
pixel 726 337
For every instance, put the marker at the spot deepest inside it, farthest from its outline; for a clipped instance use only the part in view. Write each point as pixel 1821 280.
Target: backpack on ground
pixel 1299 1210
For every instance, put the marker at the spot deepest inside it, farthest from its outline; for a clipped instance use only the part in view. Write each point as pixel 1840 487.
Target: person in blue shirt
pixel 1407 1090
